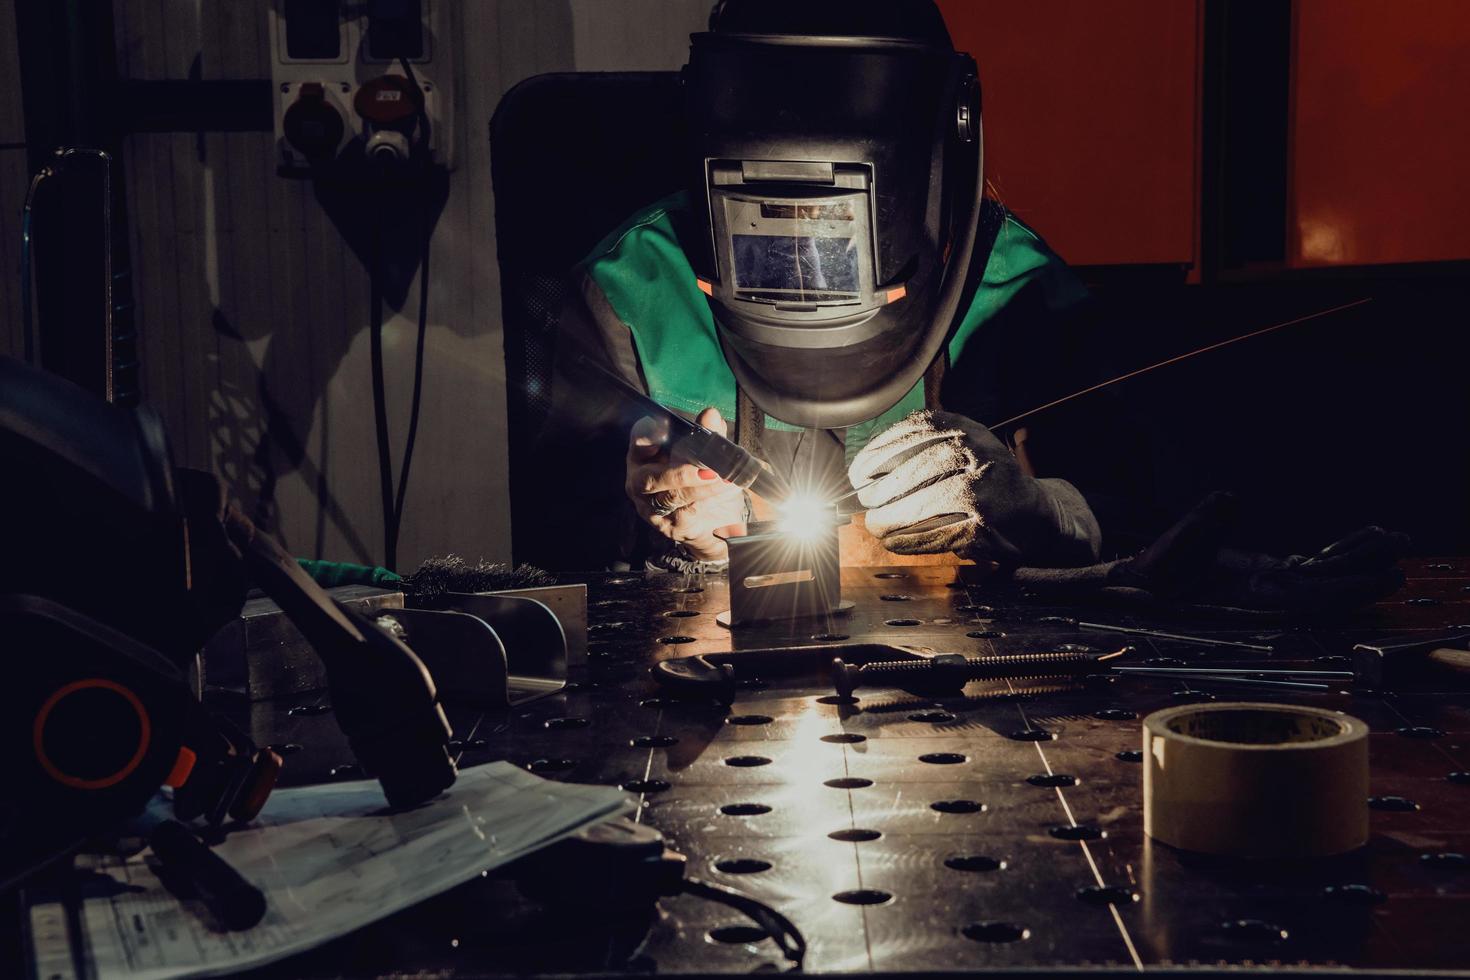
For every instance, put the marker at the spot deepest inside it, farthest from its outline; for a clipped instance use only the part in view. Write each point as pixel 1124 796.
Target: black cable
pixel 393 497
pixel 380 399
pixel 418 368
pixel 783 931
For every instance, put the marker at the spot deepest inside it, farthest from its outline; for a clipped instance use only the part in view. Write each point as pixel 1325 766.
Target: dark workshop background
pixel 1212 167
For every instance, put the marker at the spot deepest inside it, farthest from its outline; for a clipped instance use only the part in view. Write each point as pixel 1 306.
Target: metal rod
pixel 1162 635
pixel 1241 681
pixel 1145 370
pixel 1321 675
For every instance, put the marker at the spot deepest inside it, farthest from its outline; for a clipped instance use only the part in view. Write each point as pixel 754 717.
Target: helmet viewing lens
pixel 798 251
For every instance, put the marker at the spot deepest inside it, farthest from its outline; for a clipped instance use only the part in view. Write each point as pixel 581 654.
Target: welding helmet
pixel 836 172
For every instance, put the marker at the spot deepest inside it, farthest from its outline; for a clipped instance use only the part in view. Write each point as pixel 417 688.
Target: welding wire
pixel 1320 675
pixel 1145 370
pixel 1161 635
pixel 1215 679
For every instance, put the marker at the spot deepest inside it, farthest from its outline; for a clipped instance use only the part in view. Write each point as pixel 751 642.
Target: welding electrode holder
pixel 690 441
pixel 383 697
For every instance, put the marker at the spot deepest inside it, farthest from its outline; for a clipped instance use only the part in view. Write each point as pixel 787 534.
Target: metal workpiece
pixel 777 572
pixel 487 649
pixel 998 828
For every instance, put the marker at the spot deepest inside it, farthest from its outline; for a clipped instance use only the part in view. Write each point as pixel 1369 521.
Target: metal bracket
pixel 778 574
pixel 534 644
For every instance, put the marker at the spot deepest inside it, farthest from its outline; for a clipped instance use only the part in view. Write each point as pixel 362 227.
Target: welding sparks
pixel 805 515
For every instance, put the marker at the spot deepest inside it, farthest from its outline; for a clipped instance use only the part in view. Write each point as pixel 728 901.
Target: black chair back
pixel 572 156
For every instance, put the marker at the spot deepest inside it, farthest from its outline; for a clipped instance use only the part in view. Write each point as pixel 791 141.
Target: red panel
pixel 1090 120
pixel 1380 132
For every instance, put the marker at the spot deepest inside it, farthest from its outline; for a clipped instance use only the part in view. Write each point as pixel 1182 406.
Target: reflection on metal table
pixel 997 829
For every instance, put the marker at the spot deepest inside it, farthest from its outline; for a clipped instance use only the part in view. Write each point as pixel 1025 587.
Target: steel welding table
pixel 1001 830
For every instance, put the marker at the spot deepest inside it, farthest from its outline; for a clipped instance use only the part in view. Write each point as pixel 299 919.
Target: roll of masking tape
pixel 1255 780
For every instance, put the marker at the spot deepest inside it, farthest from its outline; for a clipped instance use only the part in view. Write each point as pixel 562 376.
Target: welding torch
pixel 694 443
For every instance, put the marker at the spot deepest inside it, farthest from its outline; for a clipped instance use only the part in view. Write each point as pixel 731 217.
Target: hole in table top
pixel 974 863
pixel 1392 804
pixel 1354 894
pixel 747 761
pixel 995 932
pixel 957 806
pixel 551 765
pixel 646 786
pixel 737 935
pixel 863 896
pixel 652 741
pixel 976 609
pixel 1115 714
pixel 1030 735
pixel 691 590
pixel 749 720
pixel 1081 831
pixel 1445 860
pixel 845 738
pixel 286 748
pixel 1130 755
pixel 848 782
pixel 1254 931
pixel 1459 778
pixel 1052 779
pixel 830 637
pixel 345 769
pixel 308 710
pixel 985 634
pixel 943 758
pixel 742 866
pixel 1107 895
pixel 675 639
pixel 933 717
pixel 680 613
pixel 855 835
pixel 565 724
pixel 1419 731
pixel 891 575
pixel 902 622
pixel 896 598
pixel 841 699
pixel 744 809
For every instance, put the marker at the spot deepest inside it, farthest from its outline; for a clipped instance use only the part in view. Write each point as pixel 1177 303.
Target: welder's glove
pixel 686 504
pixel 1189 565
pixel 937 482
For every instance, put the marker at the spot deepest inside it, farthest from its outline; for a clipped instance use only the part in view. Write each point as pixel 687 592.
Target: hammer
pixel 1377 664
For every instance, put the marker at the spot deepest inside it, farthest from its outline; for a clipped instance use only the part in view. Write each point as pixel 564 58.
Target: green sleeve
pixel 330 574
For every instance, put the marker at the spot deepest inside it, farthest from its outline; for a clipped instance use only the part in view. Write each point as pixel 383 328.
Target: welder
pixel 835 290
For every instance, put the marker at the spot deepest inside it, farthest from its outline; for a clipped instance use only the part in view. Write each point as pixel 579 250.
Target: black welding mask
pixel 837 168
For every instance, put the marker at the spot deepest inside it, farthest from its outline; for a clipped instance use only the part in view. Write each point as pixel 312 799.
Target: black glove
pixel 1189 565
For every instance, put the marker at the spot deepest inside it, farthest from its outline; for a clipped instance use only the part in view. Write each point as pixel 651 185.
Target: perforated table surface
pixel 998 830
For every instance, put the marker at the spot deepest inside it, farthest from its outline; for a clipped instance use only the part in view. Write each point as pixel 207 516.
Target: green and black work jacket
pixel 635 305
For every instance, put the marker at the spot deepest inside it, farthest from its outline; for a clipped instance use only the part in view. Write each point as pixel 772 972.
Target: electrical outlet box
pixel 341 91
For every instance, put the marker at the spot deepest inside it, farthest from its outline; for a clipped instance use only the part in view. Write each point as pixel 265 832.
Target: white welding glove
pixel 688 505
pixel 937 482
